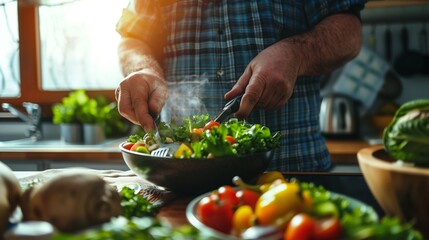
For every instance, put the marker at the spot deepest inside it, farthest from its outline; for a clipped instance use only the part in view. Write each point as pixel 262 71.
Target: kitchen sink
pixel 13 137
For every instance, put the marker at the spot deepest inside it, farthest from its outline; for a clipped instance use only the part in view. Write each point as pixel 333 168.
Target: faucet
pixel 33 118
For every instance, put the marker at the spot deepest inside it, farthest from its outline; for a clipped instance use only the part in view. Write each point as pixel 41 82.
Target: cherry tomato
pixel 247 197
pixel 301 227
pixel 228 194
pixel 210 125
pixel 230 139
pixel 215 213
pixel 195 134
pixel 243 219
pixel 128 145
pixel 328 229
pixel 198 131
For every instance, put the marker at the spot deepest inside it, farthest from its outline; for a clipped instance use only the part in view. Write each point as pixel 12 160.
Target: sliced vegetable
pixel 230 139
pixel 184 151
pixel 142 149
pixel 128 145
pixel 211 125
pixel 137 144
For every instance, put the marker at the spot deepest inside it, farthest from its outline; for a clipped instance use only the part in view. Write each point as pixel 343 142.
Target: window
pixel 62 45
pixel 9 42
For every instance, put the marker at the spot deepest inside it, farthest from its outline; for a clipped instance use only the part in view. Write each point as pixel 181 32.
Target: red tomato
pixel 128 145
pixel 228 194
pixel 210 125
pixel 301 227
pixel 230 139
pixel 215 213
pixel 327 229
pixel 247 197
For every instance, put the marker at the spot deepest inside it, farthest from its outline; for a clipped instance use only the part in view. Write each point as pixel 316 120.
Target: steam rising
pixel 185 99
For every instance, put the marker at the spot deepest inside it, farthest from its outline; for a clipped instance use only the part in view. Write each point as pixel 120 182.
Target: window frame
pixel 30 67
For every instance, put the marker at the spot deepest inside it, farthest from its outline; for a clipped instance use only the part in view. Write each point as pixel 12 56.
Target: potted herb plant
pixel 97 116
pixel 65 114
pixel 92 114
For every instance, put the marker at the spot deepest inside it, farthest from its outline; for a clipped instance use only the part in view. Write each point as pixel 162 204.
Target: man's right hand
pixel 141 96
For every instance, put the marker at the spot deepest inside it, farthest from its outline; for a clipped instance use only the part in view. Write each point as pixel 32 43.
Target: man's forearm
pixel 135 55
pixel 330 44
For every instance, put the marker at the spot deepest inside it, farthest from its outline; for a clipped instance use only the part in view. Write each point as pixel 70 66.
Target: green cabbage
pixel 406 138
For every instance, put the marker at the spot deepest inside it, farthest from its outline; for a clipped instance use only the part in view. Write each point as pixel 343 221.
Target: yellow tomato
pixel 243 219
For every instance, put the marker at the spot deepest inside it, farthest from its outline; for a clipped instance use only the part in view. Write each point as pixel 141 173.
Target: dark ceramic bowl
pixel 195 175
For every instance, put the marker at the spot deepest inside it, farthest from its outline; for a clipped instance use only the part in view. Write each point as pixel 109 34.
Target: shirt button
pixel 219 73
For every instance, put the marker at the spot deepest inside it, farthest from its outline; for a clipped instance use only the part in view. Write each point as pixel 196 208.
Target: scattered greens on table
pixel 406 138
pixel 134 205
pixel 137 222
pixel 251 138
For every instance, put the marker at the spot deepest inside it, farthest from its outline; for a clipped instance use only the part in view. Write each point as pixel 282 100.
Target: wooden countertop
pixel 343 151
pixel 173 211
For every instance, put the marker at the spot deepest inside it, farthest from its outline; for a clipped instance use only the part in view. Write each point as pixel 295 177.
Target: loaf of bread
pixel 72 201
pixel 10 192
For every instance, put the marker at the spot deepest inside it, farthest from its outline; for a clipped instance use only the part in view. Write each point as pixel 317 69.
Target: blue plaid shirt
pixel 208 44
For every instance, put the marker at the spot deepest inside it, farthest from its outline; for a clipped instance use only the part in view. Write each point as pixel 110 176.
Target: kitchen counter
pixel 343 151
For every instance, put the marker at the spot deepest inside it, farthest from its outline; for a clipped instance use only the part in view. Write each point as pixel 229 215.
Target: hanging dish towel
pixel 362 77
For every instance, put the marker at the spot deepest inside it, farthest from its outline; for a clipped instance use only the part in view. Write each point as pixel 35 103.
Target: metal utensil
pixel 160 152
pixel 230 107
pixel 165 149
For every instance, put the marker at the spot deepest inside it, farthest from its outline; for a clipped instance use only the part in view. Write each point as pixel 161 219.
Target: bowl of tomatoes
pixel 206 154
pixel 279 209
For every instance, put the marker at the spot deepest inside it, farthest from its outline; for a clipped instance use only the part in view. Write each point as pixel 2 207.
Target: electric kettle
pixel 338 116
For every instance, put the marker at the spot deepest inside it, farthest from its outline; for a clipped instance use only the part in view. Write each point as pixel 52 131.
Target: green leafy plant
pixel 406 138
pixel 78 107
pixel 67 110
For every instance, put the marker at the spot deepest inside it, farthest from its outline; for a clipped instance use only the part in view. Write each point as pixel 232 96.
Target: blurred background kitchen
pixel 52 47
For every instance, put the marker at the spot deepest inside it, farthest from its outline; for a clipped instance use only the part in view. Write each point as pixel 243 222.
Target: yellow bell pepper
pixel 184 151
pixel 269 177
pixel 280 201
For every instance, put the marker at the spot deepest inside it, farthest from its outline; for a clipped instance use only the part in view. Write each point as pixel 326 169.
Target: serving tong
pixel 230 107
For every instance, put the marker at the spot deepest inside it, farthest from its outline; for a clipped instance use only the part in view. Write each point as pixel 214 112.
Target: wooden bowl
pixel 401 191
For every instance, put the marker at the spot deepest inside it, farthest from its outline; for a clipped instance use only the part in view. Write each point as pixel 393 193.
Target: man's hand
pixel 141 96
pixel 268 80
pixel 270 77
